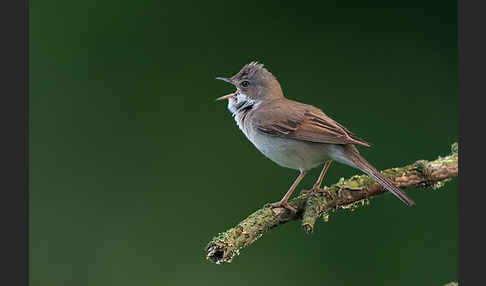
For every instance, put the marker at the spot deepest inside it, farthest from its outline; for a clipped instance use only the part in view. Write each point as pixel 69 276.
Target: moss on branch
pixel 345 194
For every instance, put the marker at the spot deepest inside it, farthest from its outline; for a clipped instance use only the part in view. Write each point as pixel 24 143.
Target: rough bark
pixel 346 194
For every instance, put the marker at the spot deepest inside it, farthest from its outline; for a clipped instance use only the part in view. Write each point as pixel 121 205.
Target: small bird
pixel 293 134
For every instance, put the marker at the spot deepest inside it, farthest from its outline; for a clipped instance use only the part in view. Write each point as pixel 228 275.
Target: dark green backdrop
pixel 135 167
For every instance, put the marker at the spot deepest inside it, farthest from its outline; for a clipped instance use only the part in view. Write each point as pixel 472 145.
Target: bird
pixel 292 134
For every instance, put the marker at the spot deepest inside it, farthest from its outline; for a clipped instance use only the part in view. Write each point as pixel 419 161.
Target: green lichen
pixel 312 210
pixel 354 205
pixel 359 182
pixel 455 148
pixel 227 245
pixel 325 217
pixel 450 161
pixel 421 166
pixel 394 172
pixel 439 184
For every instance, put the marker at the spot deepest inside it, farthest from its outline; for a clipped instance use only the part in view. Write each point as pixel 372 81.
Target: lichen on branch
pixel 345 194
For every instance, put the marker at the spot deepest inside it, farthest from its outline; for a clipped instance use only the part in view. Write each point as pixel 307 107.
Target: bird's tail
pixel 353 155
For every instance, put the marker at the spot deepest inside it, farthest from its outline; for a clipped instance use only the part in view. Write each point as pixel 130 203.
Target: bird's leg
pixel 283 202
pixel 317 185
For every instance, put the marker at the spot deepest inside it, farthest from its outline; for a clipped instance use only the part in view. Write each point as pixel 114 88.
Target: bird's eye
pixel 245 83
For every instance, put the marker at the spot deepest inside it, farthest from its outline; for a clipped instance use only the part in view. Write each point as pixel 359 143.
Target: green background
pixel 134 167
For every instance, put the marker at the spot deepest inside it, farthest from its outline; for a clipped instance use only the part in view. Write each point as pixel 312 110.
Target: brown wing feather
pixel 303 122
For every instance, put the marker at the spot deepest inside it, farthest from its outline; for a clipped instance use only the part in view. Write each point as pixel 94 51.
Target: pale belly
pixel 294 154
pixel 291 153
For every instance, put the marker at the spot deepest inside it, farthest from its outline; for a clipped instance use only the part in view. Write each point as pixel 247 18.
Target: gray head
pixel 254 84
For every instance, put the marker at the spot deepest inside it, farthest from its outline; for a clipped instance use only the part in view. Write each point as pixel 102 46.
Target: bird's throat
pixel 244 106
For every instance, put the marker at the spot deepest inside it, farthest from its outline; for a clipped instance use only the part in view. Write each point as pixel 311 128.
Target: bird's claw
pixel 281 204
pixel 307 192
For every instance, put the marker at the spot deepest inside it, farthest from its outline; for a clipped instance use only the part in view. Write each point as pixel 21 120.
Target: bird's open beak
pixel 228 96
pixel 228 80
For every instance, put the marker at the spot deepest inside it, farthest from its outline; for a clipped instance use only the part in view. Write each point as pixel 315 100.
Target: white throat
pixel 240 103
pixel 239 106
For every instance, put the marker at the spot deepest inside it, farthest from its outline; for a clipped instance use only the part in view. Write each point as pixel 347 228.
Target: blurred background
pixel 135 167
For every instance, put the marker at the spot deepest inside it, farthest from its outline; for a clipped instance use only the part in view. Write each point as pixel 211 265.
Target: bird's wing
pixel 304 122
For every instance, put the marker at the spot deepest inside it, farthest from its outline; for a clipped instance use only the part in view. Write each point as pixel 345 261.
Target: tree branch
pixel 346 194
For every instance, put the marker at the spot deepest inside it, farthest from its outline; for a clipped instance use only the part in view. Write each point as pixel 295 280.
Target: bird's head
pixel 254 84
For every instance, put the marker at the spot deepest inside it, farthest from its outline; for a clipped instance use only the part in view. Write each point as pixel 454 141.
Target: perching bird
pixel 293 134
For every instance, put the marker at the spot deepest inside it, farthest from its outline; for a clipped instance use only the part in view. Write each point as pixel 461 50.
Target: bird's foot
pixel 307 192
pixel 282 204
pixel 317 190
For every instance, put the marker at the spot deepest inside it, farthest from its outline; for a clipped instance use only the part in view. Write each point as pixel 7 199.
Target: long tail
pixel 353 155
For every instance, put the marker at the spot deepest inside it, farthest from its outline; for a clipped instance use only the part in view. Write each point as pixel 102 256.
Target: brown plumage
pixel 306 122
pixel 294 134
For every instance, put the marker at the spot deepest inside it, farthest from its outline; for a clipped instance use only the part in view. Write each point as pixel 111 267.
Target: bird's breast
pixel 286 152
